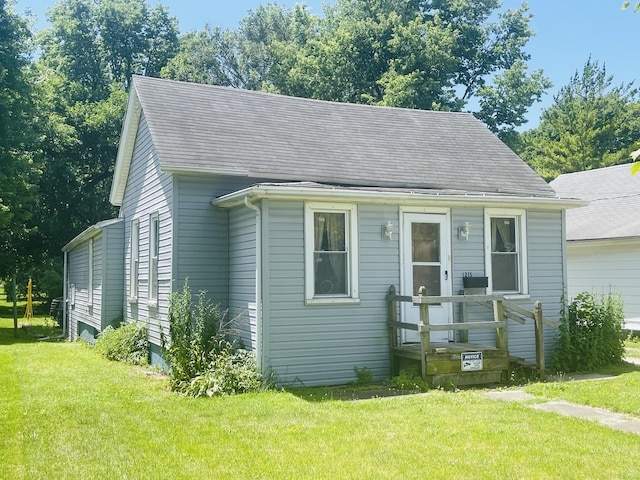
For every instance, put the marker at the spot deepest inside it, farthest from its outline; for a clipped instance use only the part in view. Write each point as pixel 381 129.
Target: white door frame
pixel 409 312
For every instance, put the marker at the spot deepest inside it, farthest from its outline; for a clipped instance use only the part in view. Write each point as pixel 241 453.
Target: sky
pixel 567 33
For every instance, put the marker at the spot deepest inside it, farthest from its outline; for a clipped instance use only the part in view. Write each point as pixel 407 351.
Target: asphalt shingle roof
pixel 210 128
pixel 614 211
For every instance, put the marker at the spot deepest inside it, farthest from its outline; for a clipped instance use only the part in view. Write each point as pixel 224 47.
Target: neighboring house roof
pixel 90 232
pixel 210 129
pixel 614 208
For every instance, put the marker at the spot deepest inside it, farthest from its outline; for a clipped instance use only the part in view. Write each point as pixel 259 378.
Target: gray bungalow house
pixel 297 215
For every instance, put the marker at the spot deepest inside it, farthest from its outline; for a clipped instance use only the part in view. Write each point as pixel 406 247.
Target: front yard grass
pixel 65 412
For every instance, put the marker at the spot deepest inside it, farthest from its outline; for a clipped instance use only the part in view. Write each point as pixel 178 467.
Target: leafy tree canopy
pixel 591 124
pixel 17 169
pixel 426 54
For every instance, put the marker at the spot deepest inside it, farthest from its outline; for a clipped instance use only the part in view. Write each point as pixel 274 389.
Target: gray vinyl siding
pixel 78 263
pixel 321 344
pixel 148 191
pixel 113 274
pixel 242 274
pixel 546 268
pixel 202 234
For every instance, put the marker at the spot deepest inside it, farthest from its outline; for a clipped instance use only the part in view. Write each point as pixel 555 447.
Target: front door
pixel 426 262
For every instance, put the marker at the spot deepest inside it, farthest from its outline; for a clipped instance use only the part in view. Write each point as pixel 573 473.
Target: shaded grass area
pixel 29 330
pixel 68 413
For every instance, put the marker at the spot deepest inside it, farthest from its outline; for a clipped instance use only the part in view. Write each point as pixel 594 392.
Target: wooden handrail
pixel 442 327
pixel 431 299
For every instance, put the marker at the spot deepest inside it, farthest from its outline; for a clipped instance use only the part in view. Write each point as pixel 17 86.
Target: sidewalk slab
pixel 605 417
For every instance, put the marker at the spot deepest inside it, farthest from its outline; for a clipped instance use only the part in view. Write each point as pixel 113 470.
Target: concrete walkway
pixel 617 421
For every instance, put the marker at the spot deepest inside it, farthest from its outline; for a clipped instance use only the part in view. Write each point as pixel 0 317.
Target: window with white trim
pixel 134 261
pixel 90 287
pixel 506 250
pixel 331 253
pixel 154 250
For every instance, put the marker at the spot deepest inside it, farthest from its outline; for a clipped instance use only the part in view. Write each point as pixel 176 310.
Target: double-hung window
pixel 134 260
pixel 506 250
pixel 331 253
pixel 154 250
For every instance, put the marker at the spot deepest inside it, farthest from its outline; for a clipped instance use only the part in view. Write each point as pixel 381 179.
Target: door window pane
pixel 425 239
pixel 426 276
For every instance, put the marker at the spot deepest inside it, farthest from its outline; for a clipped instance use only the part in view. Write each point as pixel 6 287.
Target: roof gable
pixel 204 128
pixel 614 197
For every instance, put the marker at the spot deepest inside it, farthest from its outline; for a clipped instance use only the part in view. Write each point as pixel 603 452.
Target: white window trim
pixel 90 283
pixel 134 261
pixel 521 237
pixel 154 246
pixel 352 253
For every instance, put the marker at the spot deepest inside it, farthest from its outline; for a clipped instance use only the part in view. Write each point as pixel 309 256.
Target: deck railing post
pixel 501 332
pixel 464 318
pixel 425 336
pixel 393 330
pixel 539 333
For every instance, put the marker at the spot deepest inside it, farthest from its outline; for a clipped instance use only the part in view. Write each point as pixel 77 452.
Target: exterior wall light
pixel 387 230
pixel 464 231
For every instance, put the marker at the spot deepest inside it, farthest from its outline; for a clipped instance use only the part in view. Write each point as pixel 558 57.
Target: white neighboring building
pixel 603 238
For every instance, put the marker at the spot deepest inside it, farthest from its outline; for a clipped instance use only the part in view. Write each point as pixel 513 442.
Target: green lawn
pixel 67 413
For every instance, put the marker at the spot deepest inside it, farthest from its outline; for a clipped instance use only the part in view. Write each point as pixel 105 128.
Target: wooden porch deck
pixel 461 363
pixel 443 362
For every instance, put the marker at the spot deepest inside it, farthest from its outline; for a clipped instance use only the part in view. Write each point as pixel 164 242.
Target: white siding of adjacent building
pixel 604 266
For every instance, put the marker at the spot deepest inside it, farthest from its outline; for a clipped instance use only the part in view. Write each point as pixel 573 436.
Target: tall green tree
pixel 82 74
pixel 591 124
pixel 17 169
pixel 245 57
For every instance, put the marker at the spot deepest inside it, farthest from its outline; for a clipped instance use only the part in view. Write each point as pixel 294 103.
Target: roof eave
pixel 258 192
pixel 90 232
pixel 125 148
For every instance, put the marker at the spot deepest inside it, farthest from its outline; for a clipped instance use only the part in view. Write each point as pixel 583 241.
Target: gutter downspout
pixel 259 329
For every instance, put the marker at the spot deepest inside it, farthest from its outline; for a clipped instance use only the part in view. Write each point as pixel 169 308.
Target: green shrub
pixel 364 375
pixel 202 359
pixel 590 333
pixel 127 343
pixel 409 379
pixel 230 372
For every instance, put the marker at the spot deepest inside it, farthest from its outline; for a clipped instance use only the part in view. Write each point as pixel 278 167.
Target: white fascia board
pixel 279 192
pixel 125 148
pixel 90 232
